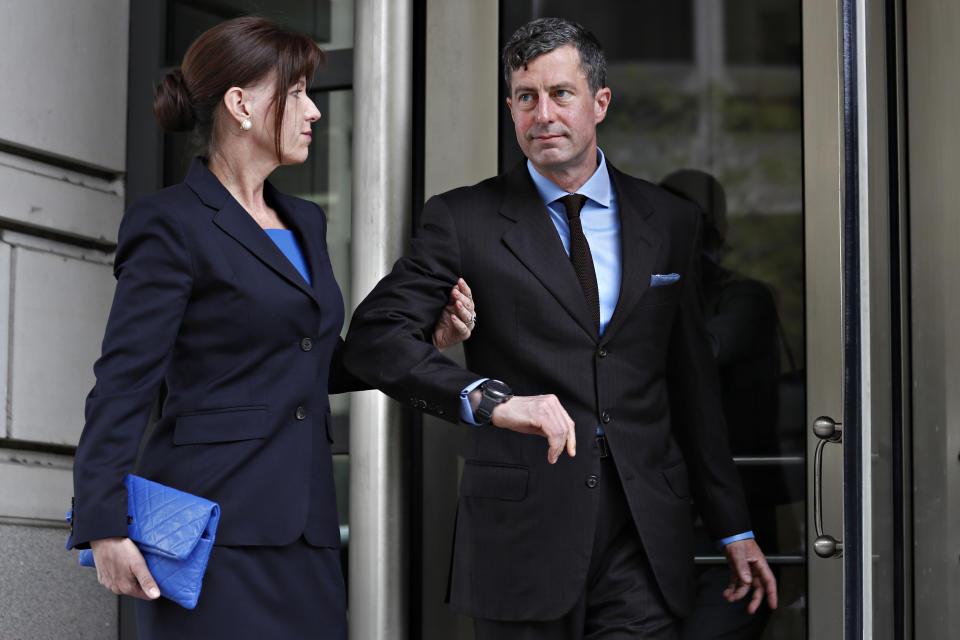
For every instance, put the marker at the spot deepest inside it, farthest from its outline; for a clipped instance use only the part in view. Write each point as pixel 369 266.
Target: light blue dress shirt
pixel 600 218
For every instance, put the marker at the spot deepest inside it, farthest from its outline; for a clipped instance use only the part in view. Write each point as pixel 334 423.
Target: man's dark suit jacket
pixel 524 527
pixel 207 303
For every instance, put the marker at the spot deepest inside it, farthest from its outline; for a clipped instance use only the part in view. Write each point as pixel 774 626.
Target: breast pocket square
pixel 663 279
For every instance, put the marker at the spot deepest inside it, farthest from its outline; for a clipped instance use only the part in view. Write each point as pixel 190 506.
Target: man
pixel 596 339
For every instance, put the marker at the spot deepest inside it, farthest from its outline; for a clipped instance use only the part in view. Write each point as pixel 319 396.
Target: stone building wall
pixel 62 161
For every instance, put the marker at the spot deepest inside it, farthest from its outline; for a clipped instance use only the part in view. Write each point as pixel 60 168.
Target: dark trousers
pixel 714 618
pixel 620 600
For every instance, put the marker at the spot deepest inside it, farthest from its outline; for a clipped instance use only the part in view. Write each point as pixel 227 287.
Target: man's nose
pixel 544 111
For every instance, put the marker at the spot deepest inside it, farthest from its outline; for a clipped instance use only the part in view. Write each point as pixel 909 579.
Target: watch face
pixel 495 388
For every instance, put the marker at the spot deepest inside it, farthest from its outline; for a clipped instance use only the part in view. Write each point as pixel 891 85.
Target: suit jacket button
pixel 592 481
pixel 306 344
pixel 301 413
pixel 602 352
pixel 605 417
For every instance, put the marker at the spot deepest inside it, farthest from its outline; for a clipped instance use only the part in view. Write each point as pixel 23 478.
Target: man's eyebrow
pixel 550 89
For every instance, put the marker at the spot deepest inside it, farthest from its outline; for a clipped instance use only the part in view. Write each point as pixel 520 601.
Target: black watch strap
pixel 493 393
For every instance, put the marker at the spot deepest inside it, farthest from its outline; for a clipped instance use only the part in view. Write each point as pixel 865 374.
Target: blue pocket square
pixel 663 279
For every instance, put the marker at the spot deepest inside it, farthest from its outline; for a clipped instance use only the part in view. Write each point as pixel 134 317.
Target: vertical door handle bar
pixel 825 546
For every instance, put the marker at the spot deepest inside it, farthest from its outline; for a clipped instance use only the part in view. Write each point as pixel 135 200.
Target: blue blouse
pixel 286 241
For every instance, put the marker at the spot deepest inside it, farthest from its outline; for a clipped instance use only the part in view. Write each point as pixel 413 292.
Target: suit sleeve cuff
pixel 746 535
pixel 466 411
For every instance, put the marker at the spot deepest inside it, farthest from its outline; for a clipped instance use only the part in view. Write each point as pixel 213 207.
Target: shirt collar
pixel 597 188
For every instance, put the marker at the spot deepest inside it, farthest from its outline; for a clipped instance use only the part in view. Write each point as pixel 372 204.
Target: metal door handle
pixel 825 546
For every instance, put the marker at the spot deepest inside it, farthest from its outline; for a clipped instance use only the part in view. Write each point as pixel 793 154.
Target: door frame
pixel 824 189
pixel 856 315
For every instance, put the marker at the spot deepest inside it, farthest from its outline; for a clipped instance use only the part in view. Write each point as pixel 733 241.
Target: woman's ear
pixel 236 105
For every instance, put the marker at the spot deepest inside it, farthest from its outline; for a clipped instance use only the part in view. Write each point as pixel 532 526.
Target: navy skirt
pixel 296 591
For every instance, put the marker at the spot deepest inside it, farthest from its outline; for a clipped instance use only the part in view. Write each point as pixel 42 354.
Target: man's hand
pixel 457 319
pixel 122 569
pixel 749 568
pixel 541 415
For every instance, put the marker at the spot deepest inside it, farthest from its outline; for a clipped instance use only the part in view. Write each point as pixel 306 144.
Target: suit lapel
pixel 535 242
pixel 639 247
pixel 233 220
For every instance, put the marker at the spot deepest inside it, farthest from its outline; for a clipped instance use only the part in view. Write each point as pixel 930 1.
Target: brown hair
pixel 544 35
pixel 235 53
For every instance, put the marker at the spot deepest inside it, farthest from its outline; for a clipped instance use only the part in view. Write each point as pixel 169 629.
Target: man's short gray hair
pixel 543 35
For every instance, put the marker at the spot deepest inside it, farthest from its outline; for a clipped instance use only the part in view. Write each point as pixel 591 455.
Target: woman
pixel 225 293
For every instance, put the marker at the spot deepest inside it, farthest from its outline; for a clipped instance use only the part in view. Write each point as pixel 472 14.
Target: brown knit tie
pixel 580 255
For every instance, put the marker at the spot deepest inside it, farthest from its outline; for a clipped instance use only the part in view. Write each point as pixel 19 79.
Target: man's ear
pixel 510 106
pixel 600 103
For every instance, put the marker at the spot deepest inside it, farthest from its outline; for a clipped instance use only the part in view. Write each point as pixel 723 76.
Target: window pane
pixel 329 22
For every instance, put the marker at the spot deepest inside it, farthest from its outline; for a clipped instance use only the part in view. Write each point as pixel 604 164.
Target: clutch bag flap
pixel 168 522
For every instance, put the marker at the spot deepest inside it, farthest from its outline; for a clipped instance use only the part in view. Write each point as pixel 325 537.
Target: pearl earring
pixel 246 125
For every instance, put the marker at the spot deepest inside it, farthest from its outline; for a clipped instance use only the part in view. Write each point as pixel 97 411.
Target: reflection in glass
pixel 745 333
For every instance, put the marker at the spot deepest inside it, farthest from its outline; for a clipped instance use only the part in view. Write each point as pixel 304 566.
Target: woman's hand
pixel 122 569
pixel 457 319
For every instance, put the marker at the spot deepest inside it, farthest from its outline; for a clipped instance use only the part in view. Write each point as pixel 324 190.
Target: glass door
pixel 780 118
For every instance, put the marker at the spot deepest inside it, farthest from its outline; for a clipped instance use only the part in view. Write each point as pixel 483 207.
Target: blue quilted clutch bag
pixel 175 531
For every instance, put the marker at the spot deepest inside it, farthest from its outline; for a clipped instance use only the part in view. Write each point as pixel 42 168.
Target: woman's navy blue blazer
pixel 206 303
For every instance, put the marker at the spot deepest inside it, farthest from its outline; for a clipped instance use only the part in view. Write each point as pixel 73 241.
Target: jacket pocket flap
pixel 225 425
pixel 678 480
pixel 492 480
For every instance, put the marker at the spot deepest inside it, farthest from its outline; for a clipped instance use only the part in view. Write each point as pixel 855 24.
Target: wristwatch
pixel 493 393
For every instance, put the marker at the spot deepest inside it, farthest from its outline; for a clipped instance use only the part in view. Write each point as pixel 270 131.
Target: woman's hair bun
pixel 171 103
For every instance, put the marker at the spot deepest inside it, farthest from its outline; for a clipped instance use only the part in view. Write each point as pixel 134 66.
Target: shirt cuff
pixel 466 411
pixel 746 535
